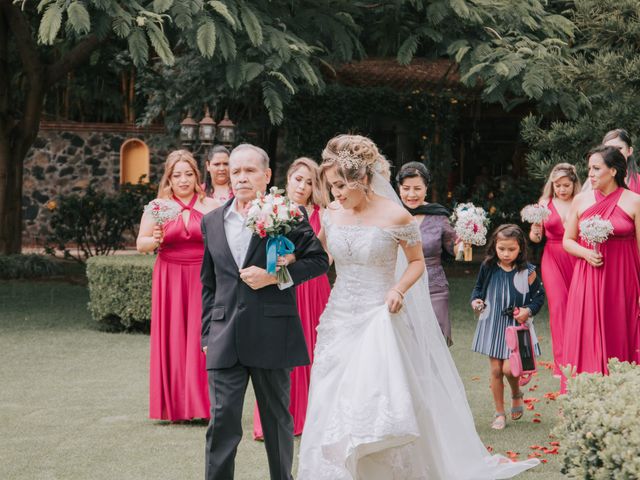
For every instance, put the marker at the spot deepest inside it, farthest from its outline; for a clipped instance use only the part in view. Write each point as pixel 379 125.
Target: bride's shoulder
pixel 394 214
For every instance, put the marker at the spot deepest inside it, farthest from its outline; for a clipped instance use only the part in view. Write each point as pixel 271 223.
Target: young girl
pixel 505 281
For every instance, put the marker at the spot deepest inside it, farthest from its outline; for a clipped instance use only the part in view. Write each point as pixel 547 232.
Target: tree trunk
pixel 17 135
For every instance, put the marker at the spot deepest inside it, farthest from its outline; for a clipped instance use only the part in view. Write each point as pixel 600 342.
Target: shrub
pixel 600 427
pixel 95 223
pixel 120 290
pixel 28 266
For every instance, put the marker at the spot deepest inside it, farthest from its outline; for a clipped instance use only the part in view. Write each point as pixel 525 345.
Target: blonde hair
pixel 559 171
pixel 164 189
pixel 356 159
pixel 316 194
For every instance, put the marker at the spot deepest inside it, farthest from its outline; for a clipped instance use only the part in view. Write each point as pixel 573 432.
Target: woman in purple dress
pixel 438 237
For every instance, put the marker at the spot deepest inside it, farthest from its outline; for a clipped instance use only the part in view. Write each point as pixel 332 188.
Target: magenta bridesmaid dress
pixel 557 270
pixel 633 182
pixel 178 388
pixel 602 308
pixel 312 297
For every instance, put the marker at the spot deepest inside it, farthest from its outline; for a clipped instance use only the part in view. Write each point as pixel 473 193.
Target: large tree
pixel 252 41
pixel 199 50
pixel 604 71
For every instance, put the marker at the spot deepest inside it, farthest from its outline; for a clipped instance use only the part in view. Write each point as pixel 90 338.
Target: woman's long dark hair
pixel 208 184
pixel 622 134
pixel 613 159
pixel 505 232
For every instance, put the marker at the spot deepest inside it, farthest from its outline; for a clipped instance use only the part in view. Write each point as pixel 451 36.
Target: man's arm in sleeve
pixel 208 279
pixel 311 259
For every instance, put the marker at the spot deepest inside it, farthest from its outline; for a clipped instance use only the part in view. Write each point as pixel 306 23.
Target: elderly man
pixel 250 326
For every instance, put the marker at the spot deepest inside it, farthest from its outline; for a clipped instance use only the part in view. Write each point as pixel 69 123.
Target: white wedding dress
pixel 386 401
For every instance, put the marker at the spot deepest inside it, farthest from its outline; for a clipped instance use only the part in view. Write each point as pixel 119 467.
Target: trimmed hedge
pixel 599 431
pixel 120 290
pixel 28 266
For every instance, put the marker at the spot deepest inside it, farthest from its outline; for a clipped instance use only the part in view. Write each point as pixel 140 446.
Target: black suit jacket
pixel 256 328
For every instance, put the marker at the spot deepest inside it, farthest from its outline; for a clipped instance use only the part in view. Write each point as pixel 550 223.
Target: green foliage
pixel 603 72
pixel 264 49
pixel 510 50
pixel 28 266
pixel 599 430
pixel 95 223
pixel 120 290
pixel 311 120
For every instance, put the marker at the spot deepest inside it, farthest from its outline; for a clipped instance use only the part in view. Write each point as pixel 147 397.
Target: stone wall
pixel 67 158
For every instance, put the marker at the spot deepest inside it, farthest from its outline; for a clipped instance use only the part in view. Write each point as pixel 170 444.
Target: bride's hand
pixel 394 300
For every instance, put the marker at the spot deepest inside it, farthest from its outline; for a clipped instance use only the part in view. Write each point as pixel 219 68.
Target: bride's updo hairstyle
pixel 356 159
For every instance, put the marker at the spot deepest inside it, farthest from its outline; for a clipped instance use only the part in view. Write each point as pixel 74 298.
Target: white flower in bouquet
pixel 535 213
pixel 163 210
pixel 274 216
pixel 595 230
pixel 470 224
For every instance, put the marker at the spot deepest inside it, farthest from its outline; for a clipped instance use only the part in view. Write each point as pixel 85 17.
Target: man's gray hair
pixel 260 152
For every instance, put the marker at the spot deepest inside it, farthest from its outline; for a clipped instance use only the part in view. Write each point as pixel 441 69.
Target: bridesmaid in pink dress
pixel 621 139
pixel 303 189
pixel 178 387
pixel 603 305
pixel 217 181
pixel 557 265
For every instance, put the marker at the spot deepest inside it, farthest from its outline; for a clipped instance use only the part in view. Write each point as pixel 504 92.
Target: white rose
pixel 283 214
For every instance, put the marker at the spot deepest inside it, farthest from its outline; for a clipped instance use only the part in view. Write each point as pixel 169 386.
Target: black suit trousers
pixel 227 388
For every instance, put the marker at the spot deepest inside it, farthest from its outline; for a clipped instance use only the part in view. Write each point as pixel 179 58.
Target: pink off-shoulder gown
pixel 602 308
pixel 178 388
pixel 557 270
pixel 312 297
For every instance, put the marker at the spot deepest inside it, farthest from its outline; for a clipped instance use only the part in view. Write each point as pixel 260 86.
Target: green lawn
pixel 73 399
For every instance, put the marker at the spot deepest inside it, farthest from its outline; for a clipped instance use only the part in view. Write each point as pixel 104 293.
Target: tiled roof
pixel 420 74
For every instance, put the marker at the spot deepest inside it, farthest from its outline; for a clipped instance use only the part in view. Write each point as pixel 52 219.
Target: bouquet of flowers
pixel 470 224
pixel 273 216
pixel 595 230
pixel 535 213
pixel 163 210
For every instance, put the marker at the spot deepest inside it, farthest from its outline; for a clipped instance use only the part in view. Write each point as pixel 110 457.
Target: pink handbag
pixel 523 356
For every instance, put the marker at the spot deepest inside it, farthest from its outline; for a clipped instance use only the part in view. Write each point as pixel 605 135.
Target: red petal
pixel 536 420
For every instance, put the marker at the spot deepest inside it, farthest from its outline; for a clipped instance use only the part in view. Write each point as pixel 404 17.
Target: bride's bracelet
pixel 398 291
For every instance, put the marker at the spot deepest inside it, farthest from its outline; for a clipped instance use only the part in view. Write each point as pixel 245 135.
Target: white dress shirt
pixel 237 233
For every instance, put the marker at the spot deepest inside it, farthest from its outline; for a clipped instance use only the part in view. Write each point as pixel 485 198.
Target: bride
pixel 386 401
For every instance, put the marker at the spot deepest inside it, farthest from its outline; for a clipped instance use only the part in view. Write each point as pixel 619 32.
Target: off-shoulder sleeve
pixel 409 233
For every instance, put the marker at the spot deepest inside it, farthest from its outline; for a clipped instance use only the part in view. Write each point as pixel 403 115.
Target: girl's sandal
pixel 517 412
pixel 499 421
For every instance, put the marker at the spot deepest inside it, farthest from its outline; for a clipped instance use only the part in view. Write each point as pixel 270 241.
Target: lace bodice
pixel 365 259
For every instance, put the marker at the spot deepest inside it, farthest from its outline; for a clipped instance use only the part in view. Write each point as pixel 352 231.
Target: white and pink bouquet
pixel 595 230
pixel 163 210
pixel 470 224
pixel 273 215
pixel 535 213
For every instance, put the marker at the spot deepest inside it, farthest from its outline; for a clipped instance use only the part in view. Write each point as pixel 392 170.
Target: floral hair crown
pixel 349 161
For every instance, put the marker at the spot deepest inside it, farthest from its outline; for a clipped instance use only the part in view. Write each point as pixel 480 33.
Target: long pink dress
pixel 633 182
pixel 557 269
pixel 178 388
pixel 602 309
pixel 312 297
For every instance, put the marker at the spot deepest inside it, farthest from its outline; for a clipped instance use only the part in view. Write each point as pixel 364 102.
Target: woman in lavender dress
pixel 438 237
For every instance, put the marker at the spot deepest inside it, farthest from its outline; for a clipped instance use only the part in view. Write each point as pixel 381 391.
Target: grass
pixel 73 399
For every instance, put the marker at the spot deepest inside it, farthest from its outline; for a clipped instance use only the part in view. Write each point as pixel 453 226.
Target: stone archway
pixel 134 161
